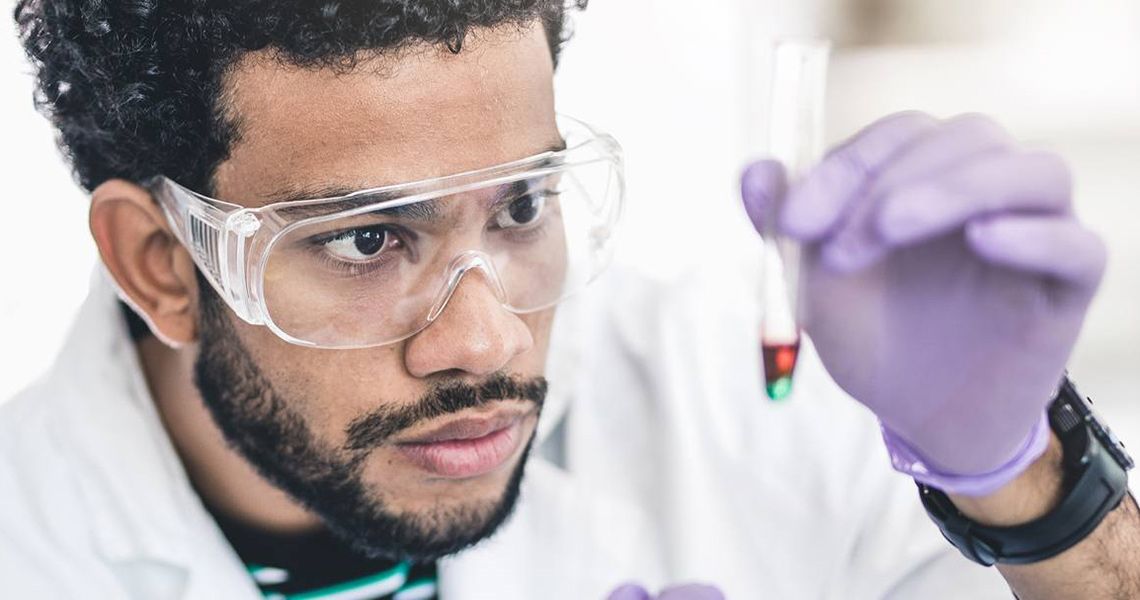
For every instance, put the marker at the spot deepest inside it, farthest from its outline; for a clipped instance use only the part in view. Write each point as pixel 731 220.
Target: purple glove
pixel 946 280
pixel 681 592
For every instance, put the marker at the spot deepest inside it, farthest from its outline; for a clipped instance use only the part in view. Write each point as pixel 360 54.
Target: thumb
pixel 762 187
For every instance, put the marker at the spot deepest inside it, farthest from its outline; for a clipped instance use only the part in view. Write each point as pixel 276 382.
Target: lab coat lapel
pixel 564 541
pixel 146 521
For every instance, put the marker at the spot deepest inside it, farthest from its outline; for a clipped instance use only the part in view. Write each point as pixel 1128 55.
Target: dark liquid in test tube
pixel 779 364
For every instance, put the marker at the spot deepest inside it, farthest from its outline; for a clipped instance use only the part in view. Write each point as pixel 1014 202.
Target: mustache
pixel 382 423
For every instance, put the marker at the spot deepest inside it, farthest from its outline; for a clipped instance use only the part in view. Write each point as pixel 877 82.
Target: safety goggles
pixel 377 266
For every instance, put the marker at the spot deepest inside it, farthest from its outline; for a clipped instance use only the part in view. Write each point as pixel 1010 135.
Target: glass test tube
pixel 795 138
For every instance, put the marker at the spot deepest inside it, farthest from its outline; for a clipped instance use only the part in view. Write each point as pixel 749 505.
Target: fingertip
pixel 763 178
pixel 762 184
pixel 629 591
pixel 1056 246
pixel 1052 168
pixel 911 118
pixel 1097 258
pixel 1100 251
pixel 763 171
pixel 980 126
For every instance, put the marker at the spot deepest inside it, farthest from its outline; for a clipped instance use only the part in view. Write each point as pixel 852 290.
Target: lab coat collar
pixel 133 474
pixel 146 519
pixel 566 540
pixel 145 512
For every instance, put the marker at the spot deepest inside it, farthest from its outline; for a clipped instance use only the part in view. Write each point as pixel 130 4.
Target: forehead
pixel 418 113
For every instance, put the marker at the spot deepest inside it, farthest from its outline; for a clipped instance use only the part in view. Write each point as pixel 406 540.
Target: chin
pixel 424 518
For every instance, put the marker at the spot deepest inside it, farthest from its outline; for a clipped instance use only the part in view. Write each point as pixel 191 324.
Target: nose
pixel 473 334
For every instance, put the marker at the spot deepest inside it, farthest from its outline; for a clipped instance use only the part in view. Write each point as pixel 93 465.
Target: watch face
pixel 1111 443
pixel 1071 409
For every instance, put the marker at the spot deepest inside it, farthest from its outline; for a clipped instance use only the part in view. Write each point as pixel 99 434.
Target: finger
pixel 762 187
pixel 1038 182
pixel 818 202
pixel 1050 245
pixel 691 592
pixel 630 591
pixel 856 242
pixel 957 140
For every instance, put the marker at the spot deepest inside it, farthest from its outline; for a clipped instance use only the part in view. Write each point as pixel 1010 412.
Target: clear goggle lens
pixel 376 272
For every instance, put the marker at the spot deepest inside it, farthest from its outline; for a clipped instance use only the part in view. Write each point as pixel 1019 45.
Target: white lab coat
pixel 659 460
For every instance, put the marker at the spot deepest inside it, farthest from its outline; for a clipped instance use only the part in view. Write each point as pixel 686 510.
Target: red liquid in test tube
pixel 779 365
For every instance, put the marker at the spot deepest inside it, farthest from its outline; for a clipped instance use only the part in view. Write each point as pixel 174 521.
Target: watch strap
pixel 1095 492
pixel 1095 467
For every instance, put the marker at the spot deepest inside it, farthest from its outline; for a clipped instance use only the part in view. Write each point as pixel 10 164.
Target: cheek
pixel 329 388
pixel 540 324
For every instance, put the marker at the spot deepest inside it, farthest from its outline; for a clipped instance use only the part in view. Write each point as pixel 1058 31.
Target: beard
pixel 263 426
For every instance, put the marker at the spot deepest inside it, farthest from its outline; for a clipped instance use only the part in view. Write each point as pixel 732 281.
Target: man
pixel 359 240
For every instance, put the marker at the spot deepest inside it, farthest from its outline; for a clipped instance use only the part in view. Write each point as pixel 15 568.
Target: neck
pixel 225 481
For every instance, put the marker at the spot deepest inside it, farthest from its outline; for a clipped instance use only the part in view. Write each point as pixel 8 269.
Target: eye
pixel 523 211
pixel 360 245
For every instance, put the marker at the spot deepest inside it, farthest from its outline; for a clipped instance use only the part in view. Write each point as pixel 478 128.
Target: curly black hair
pixel 133 87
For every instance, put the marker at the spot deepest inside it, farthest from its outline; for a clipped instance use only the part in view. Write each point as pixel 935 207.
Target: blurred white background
pixel 683 89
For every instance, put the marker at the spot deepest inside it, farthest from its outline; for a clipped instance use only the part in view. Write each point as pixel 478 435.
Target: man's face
pixel 377 441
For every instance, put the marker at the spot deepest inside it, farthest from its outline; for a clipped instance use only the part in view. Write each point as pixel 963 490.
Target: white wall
pixel 46 252
pixel 683 91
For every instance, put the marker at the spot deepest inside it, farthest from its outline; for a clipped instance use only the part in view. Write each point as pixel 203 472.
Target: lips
pixel 467 428
pixel 465 447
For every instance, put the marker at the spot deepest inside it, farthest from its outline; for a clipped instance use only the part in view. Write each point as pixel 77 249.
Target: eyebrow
pixel 296 194
pixel 416 211
pixel 424 212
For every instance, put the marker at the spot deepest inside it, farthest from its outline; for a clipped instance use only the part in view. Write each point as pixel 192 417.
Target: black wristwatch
pixel 1095 480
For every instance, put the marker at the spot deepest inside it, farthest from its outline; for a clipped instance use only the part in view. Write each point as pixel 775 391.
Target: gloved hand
pixel 946 280
pixel 680 592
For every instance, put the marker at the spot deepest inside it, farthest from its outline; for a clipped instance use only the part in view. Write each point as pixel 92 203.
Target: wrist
pixel 1030 495
pixel 1055 504
pixel 906 459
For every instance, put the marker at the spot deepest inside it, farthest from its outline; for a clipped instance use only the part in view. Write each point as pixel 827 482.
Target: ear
pixel 154 272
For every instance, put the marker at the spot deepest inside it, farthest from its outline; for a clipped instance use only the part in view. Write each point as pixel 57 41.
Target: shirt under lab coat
pixel 658 459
